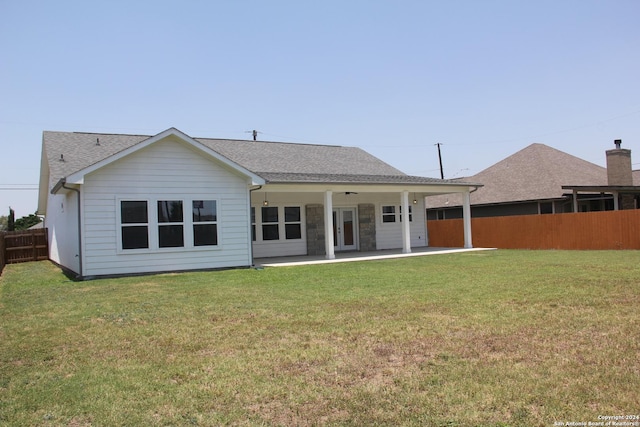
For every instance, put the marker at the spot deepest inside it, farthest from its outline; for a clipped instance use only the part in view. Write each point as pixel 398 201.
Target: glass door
pixel 344 229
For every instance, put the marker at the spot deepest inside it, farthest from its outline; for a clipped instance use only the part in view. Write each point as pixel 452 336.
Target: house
pixel 621 185
pixel 128 204
pixel 530 182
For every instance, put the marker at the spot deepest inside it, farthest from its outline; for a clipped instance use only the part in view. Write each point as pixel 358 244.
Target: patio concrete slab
pixel 359 256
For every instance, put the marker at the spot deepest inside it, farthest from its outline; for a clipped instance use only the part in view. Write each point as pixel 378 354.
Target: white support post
pixel 328 225
pixel 575 201
pixel 616 204
pixel 406 225
pixel 466 217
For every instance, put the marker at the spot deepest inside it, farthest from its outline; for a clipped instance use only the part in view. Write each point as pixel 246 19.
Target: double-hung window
pixel 170 226
pixel 253 224
pixel 270 226
pixel 134 218
pixel 205 223
pixel 292 223
pixel 410 214
pixel 272 223
pixel 388 214
pixel 391 213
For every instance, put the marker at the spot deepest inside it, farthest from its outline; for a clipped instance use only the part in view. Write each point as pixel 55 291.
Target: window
pixel 170 224
pixel 292 223
pixel 388 214
pixel 253 224
pixel 270 229
pixel 205 223
pixel 135 224
pixel 410 213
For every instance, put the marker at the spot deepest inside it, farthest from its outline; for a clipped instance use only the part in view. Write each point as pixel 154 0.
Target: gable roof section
pixel 273 161
pixel 78 176
pixel 292 158
pixel 68 156
pixel 536 172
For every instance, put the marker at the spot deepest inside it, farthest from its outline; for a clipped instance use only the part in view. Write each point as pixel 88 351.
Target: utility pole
pixel 255 134
pixel 440 159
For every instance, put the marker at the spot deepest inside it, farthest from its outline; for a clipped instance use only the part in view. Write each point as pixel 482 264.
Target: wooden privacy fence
pixel 23 246
pixel 587 230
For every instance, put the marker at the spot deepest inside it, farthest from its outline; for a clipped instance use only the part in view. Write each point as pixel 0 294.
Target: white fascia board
pixel 78 177
pixel 431 189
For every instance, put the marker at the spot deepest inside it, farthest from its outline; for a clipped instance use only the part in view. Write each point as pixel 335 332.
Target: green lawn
pixel 499 338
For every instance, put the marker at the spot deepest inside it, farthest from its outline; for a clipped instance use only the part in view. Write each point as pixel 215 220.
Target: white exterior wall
pixel 167 170
pixel 388 235
pixel 61 220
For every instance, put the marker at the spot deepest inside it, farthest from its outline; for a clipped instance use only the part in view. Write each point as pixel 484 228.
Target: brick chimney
pixel 619 173
pixel 619 165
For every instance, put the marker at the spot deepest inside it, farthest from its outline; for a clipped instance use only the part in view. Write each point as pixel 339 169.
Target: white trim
pixel 328 225
pixel 466 218
pixel 78 177
pixel 406 224
pixel 153 225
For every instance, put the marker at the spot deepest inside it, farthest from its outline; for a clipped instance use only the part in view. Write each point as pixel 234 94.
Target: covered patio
pixel 359 256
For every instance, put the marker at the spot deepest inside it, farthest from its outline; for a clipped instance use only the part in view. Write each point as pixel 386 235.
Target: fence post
pixel 2 250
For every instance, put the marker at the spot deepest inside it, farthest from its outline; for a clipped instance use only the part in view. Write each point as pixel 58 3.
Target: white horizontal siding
pixel 166 170
pixel 61 220
pixel 388 235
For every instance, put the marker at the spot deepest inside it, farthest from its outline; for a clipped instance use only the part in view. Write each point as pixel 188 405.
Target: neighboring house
pixel 128 204
pixel 621 185
pixel 529 182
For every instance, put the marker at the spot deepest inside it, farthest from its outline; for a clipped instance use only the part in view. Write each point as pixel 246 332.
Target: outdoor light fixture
pixel 266 202
pixel 415 201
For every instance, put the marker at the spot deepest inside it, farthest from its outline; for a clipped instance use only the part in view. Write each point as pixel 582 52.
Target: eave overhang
pixel 603 188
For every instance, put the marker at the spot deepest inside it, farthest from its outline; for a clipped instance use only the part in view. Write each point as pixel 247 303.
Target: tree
pixel 27 221
pixel 4 223
pixel 12 219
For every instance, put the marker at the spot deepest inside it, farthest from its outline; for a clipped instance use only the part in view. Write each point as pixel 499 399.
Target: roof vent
pixel 618 143
pixel 97 141
pixel 62 157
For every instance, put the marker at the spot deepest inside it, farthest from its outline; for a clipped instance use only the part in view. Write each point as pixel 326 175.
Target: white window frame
pixel 153 224
pixel 194 223
pixel 285 222
pixel 384 214
pixel 410 213
pixel 282 224
pixel 396 214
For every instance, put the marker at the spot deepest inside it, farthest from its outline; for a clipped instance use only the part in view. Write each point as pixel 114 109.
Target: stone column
pixel 315 229
pixel 367 227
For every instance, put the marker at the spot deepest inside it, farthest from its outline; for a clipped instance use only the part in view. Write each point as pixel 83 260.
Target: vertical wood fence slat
pixel 2 260
pixel 23 246
pixel 587 230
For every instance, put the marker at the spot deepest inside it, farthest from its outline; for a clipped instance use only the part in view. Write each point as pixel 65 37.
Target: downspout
pixel 251 190
pixel 64 185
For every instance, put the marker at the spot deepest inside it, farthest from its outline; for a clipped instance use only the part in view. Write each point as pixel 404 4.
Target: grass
pixel 502 338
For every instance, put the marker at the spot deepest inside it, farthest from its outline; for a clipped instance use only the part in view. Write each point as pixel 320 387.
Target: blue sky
pixel 485 78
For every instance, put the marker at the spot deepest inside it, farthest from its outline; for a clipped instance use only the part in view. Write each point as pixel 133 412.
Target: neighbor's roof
pixel 536 172
pixel 274 161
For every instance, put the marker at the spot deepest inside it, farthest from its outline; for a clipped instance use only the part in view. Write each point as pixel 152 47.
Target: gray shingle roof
pixel 274 161
pixel 70 152
pixel 536 172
